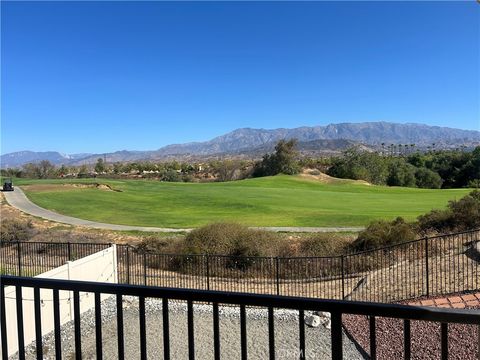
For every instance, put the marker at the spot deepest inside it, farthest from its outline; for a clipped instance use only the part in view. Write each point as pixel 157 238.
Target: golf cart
pixel 8 185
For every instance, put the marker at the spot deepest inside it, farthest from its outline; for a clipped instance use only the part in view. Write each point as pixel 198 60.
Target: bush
pixel 474 184
pixel 460 215
pixel 323 245
pixel 171 176
pixel 16 230
pixel 435 220
pixel 383 233
pixel 161 245
pixel 228 239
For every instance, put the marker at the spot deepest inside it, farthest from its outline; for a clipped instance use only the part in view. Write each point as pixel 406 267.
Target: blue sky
pixel 106 76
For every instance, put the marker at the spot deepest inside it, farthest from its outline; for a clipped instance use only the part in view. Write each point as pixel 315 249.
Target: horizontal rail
pixel 233 298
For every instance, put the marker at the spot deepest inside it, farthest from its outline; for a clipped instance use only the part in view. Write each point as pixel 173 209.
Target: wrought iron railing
pixel 336 308
pixel 429 266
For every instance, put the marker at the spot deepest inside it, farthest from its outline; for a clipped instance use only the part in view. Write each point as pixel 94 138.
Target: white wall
pixel 101 267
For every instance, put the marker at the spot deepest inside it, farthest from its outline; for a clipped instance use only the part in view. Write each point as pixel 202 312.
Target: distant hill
pixel 20 158
pixel 254 142
pixel 371 133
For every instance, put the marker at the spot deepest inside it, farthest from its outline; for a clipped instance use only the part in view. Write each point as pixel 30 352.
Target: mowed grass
pixel 271 201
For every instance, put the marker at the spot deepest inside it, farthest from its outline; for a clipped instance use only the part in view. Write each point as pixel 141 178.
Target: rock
pixel 312 320
pixel 325 318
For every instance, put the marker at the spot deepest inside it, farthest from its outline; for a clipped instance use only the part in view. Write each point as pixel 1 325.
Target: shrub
pixel 161 245
pixel 474 184
pixel 435 220
pixel 323 245
pixel 16 230
pixel 383 233
pixel 228 239
pixel 171 176
pixel 466 211
pixel 460 215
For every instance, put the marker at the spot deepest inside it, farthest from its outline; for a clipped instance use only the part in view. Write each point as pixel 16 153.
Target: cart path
pixel 18 200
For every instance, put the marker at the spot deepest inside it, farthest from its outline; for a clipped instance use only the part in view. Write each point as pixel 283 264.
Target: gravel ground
pixel 425 338
pixel 286 334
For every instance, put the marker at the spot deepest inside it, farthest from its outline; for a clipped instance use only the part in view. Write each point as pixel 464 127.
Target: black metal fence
pixel 429 266
pixel 33 258
pixel 336 308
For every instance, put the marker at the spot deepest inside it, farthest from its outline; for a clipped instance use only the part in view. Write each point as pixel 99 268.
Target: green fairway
pixel 271 201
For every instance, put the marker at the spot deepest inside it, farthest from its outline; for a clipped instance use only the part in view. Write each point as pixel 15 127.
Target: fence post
pixel 277 261
pixel 145 268
pixel 19 255
pixel 426 266
pixel 69 249
pixel 208 271
pixel 343 276
pixel 128 264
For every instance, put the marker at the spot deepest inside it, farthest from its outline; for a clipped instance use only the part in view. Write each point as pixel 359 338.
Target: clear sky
pixel 106 76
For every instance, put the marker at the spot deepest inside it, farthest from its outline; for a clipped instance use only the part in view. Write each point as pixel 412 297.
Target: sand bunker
pixel 66 187
pixel 315 174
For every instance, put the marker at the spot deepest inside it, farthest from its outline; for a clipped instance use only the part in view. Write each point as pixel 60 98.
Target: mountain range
pixel 248 142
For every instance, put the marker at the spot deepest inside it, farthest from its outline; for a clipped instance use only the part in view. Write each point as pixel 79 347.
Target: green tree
pixel 360 165
pixel 428 179
pixel 282 161
pixel 100 166
pixel 117 168
pixel 42 170
pixel 83 171
pixel 401 174
pixel 63 170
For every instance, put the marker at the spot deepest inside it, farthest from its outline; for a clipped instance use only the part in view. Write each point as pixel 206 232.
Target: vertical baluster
pixel 216 332
pixel 143 331
pixel 38 322
pixel 301 330
pixel 166 330
pixel 406 339
pixel 271 333
pixel 191 334
pixel 373 339
pixel 120 340
pixel 76 317
pixel 243 332
pixel 337 341
pixel 56 321
pixel 98 326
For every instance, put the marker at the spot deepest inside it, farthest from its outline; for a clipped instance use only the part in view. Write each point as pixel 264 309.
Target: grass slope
pixel 271 201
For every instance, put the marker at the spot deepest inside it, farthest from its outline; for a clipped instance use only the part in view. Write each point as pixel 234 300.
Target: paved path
pixel 18 200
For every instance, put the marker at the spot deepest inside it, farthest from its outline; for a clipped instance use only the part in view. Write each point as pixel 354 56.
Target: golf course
pixel 270 201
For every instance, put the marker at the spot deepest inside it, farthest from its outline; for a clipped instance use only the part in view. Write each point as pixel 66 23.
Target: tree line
pixel 432 169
